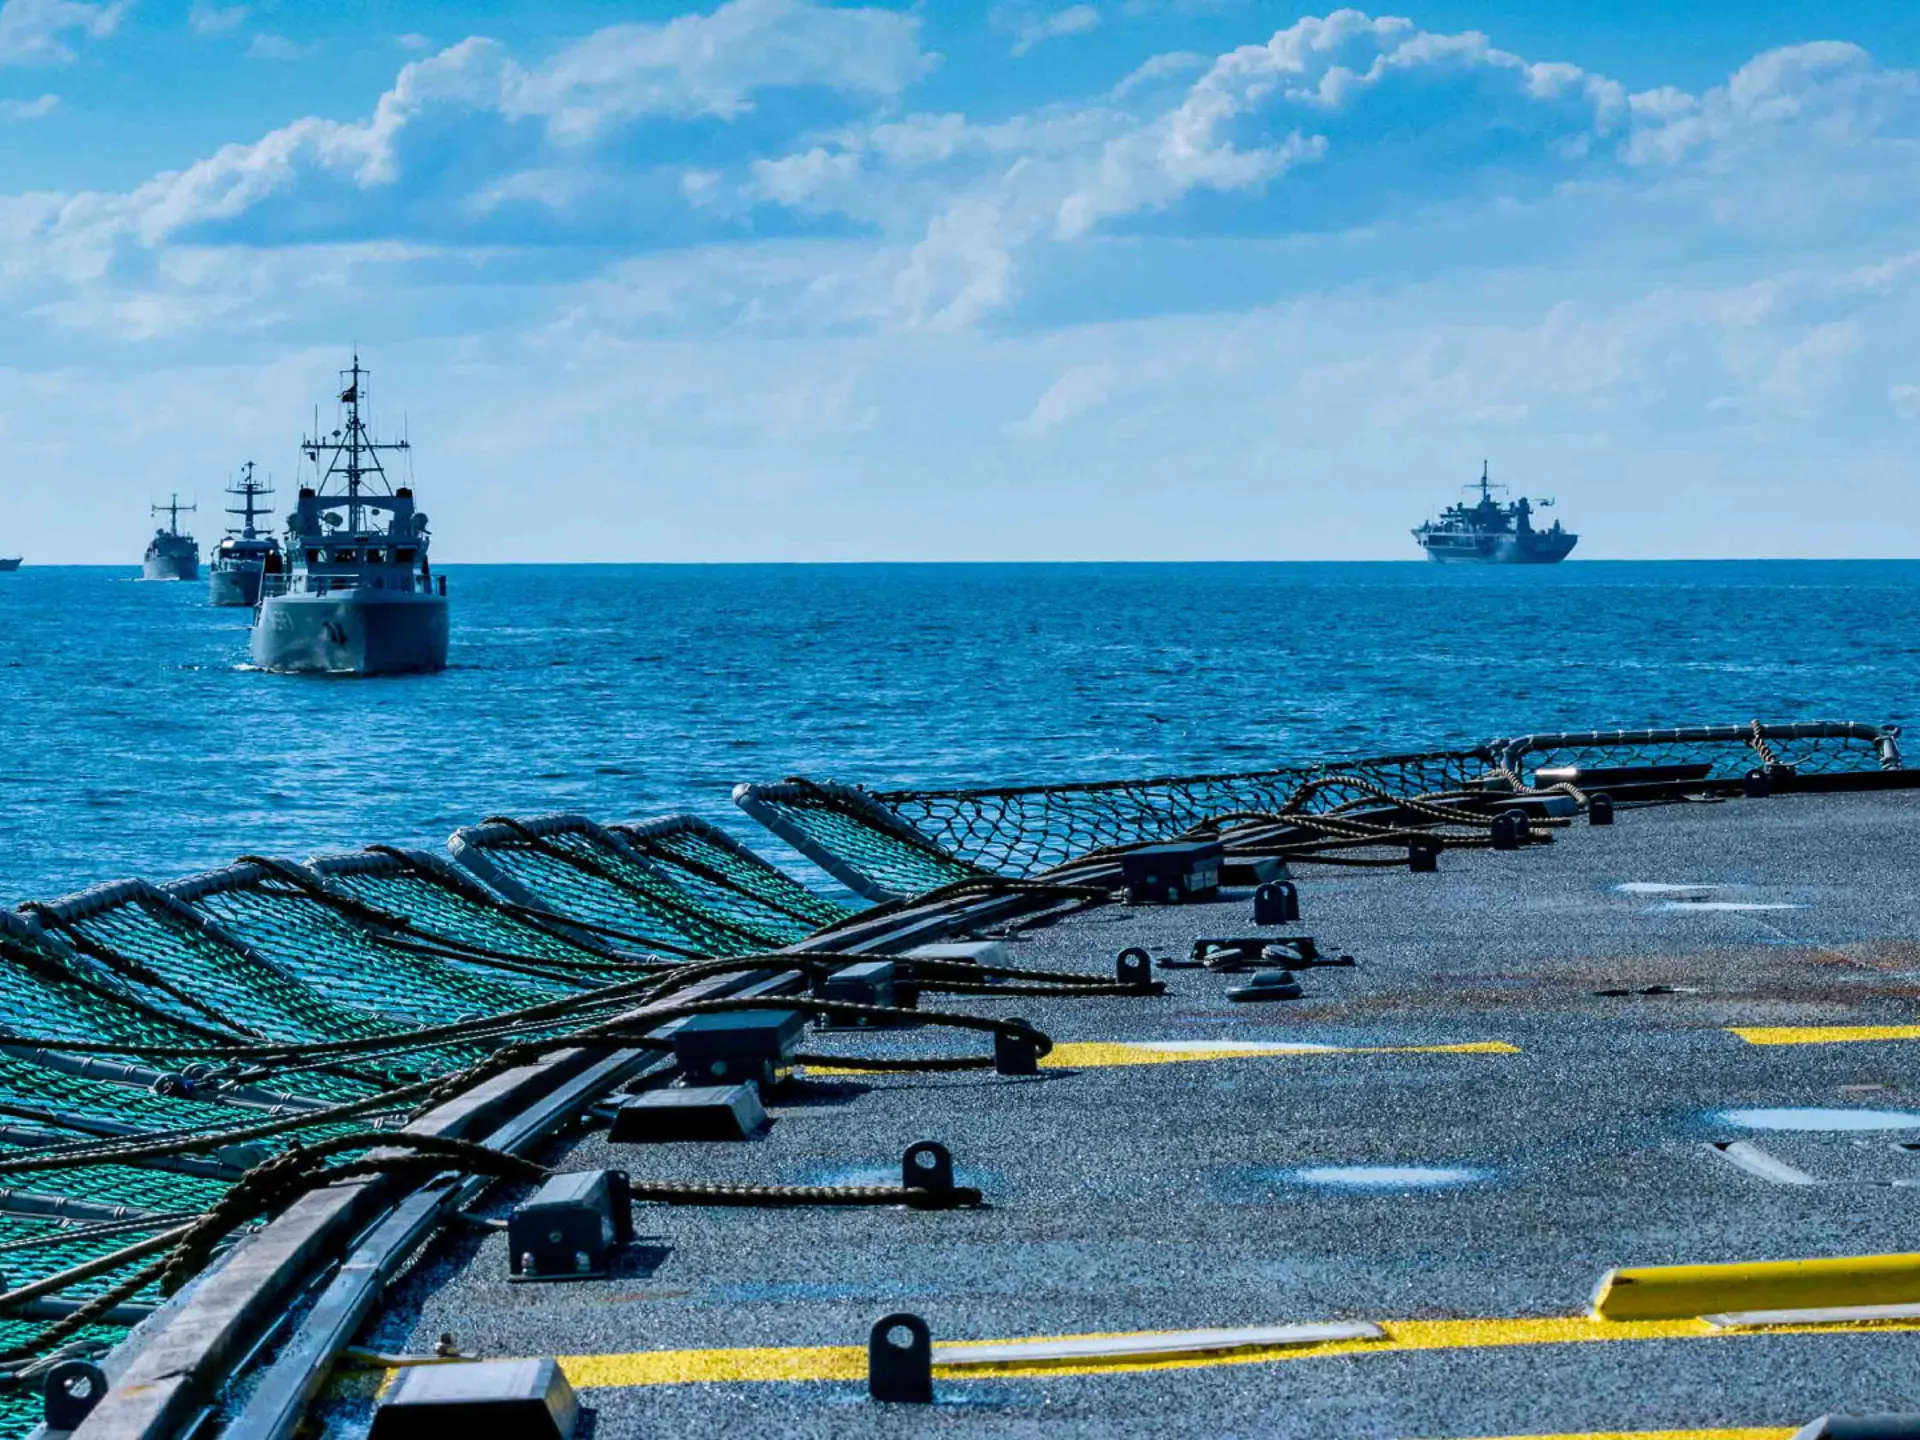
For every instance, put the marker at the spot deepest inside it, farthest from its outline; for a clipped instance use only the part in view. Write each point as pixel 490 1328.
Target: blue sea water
pixel 134 740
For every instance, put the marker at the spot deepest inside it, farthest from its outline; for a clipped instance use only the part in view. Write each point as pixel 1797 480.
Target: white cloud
pixel 710 65
pixel 1032 27
pixel 29 109
pixel 205 18
pixel 35 32
pixel 1080 389
pixel 414 41
pixel 268 46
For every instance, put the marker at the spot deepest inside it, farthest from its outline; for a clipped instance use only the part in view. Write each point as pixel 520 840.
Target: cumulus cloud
pixel 1034 27
pixel 205 18
pixel 38 32
pixel 29 109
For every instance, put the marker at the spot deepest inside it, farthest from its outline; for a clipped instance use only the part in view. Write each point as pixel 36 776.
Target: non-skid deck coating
pixel 1468 1199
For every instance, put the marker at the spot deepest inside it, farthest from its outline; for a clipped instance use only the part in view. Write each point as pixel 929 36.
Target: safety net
pixel 449 910
pixel 859 841
pixel 569 866
pixel 729 880
pixel 296 925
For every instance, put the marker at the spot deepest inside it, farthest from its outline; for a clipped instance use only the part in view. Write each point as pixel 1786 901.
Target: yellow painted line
pixel 1102 1054
pixel 1823 1034
pixel 849 1362
pixel 1660 1292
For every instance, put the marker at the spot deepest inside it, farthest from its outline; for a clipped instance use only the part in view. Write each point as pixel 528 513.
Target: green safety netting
pixel 860 842
pixel 729 880
pixel 569 865
pixel 446 907
pixel 350 962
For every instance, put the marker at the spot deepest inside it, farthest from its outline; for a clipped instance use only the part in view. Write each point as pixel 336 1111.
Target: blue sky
pixel 778 280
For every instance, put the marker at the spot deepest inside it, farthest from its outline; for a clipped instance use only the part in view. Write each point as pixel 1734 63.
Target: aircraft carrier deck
pixel 1687 1038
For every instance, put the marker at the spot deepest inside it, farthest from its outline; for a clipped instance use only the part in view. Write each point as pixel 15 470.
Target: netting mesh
pixel 868 848
pixel 347 961
pixel 148 927
pixel 729 881
pixel 439 911
pixel 1023 830
pixel 570 866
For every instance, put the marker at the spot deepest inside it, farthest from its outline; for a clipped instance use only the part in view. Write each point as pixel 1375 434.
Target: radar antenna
pixel 172 511
pixel 355 455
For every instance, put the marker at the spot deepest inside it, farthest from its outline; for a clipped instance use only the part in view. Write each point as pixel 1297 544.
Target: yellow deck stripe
pixel 1101 1054
pixel 1823 1034
pixel 849 1362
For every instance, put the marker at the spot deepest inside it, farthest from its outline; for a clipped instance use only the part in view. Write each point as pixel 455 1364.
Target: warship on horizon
pixel 245 555
pixel 9 564
pixel 359 598
pixel 1489 533
pixel 171 555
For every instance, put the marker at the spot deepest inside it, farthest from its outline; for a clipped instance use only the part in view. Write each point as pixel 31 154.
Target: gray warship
pixel 358 596
pixel 171 555
pixel 1489 533
pixel 245 555
pixel 9 563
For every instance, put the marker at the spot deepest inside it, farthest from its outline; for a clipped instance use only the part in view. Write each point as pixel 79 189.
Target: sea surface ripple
pixel 134 740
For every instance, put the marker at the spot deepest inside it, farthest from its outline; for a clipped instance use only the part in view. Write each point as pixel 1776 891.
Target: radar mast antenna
pixel 355 454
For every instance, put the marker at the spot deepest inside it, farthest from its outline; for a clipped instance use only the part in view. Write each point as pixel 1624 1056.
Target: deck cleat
pixel 1423 858
pixel 1016 1054
pixel 1133 966
pixel 571 1226
pixel 1276 903
pixel 900 1360
pixel 1600 809
pixel 1267 985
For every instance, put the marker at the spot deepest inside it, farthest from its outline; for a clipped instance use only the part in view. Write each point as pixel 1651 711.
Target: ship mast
pixel 355 447
pixel 172 511
pixel 249 490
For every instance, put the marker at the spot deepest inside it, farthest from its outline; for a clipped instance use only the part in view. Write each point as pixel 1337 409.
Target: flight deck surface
pixel 1530 1075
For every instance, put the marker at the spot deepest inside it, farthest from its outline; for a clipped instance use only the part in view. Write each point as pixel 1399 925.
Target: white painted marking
pixel 1652 887
pixel 1834 1315
pixel 1755 1161
pixel 1144 1347
pixel 1726 905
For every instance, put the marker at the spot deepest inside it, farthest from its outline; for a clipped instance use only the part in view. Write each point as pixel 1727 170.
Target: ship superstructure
pixel 359 596
pixel 248 553
pixel 1491 533
pixel 172 554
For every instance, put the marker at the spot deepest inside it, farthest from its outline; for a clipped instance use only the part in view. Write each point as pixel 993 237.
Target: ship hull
pixel 234 585
pixel 1501 550
pixel 170 567
pixel 8 566
pixel 353 632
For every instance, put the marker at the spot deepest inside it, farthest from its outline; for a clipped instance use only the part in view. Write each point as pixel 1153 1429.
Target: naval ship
pixel 171 555
pixel 359 596
pixel 245 554
pixel 1489 533
pixel 8 564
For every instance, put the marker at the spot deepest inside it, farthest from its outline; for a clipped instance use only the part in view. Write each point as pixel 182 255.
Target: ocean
pixel 134 740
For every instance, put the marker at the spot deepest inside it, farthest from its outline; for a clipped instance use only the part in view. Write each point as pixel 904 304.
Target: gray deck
pixel 1167 1196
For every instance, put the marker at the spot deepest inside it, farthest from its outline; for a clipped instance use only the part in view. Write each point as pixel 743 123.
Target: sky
pixel 777 280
